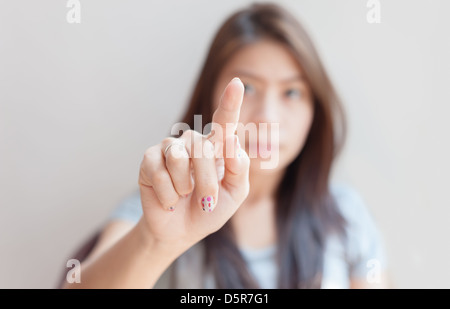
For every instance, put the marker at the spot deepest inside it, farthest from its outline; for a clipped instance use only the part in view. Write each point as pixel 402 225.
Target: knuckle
pixel 148 165
pixel 159 177
pixel 177 163
pixel 189 134
pixel 210 188
pixel 195 136
pixel 143 180
pixel 186 187
pixel 169 200
pixel 185 190
pixel 152 153
pixel 167 140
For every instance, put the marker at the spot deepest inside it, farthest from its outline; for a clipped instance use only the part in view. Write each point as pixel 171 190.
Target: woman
pixel 217 218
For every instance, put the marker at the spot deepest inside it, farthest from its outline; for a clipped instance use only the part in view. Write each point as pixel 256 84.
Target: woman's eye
pixel 293 93
pixel 248 88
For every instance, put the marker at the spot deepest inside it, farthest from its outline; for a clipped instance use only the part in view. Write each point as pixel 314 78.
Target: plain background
pixel 80 103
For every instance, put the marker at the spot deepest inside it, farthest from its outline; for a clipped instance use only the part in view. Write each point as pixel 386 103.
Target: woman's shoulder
pixel 350 203
pixel 364 242
pixel 358 217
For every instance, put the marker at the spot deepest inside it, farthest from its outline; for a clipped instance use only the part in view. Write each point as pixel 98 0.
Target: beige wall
pixel 79 104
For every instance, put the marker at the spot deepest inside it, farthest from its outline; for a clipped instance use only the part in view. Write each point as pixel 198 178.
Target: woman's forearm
pixel 134 261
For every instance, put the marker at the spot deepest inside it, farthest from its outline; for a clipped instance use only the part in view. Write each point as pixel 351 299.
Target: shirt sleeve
pixel 364 245
pixel 128 209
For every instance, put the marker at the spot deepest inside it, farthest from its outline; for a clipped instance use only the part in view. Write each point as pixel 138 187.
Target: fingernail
pixel 208 203
pixel 171 208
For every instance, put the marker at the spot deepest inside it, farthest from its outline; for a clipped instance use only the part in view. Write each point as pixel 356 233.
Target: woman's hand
pixel 184 196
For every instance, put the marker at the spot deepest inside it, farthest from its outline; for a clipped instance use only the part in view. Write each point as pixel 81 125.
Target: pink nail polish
pixel 208 203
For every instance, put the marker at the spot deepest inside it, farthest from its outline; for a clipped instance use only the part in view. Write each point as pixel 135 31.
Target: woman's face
pixel 276 94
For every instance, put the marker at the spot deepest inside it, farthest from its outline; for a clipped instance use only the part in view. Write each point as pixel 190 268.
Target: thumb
pixel 237 164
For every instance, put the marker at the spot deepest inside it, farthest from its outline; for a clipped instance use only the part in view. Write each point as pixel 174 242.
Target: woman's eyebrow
pixel 298 77
pixel 248 74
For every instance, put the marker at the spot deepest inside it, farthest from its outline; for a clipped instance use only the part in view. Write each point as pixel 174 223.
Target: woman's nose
pixel 268 110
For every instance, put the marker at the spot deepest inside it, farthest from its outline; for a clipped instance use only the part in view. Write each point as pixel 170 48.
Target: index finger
pixel 226 116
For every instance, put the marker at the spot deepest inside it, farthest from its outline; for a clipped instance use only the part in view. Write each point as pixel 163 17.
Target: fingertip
pixel 234 92
pixel 237 81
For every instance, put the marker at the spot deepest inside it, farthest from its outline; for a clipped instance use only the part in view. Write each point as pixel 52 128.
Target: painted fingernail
pixel 171 208
pixel 208 203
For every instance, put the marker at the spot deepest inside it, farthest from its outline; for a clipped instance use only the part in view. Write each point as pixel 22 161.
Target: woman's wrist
pixel 170 249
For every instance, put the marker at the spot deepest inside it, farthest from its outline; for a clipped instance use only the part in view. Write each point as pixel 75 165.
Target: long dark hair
pixel 305 212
